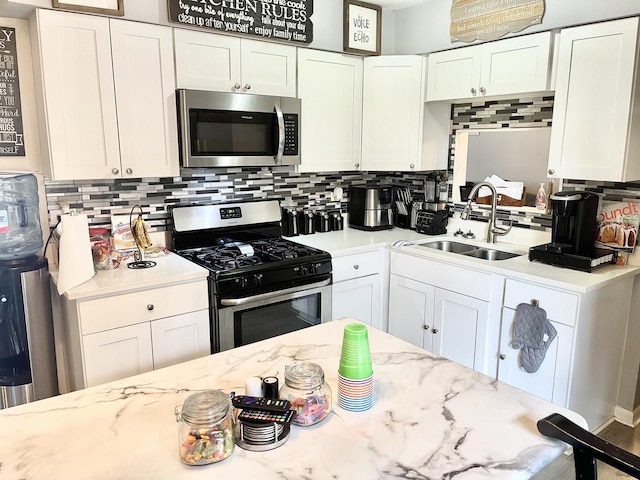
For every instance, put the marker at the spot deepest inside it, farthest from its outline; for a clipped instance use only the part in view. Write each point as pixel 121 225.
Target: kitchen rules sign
pixel 11 133
pixel 288 20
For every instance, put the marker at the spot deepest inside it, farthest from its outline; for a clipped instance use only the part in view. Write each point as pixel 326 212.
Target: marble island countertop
pixel 433 419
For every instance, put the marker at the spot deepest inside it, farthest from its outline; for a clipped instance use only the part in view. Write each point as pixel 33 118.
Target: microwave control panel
pixel 290 134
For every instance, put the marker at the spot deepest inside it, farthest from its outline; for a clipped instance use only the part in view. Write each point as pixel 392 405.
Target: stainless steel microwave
pixel 219 129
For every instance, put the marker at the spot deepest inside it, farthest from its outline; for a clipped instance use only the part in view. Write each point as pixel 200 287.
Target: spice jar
pixel 309 394
pixel 205 431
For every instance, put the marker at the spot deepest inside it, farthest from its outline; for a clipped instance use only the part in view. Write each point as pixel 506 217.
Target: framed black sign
pixel 287 20
pixel 11 128
pixel 362 27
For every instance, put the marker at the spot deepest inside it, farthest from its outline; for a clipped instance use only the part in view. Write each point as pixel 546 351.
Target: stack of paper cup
pixel 355 374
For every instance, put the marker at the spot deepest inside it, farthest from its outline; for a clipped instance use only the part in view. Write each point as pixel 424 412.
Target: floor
pixel 616 433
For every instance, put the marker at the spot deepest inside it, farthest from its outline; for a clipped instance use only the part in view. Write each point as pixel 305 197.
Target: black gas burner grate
pixel 281 249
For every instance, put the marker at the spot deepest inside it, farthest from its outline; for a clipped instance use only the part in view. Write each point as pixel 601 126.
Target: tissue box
pixel 503 200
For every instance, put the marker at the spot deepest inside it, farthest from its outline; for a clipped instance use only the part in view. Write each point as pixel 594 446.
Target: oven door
pixel 246 320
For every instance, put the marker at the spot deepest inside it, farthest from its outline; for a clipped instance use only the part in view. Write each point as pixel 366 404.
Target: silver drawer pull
pixel 435 330
pixel 150 307
pixel 502 356
pixel 356 266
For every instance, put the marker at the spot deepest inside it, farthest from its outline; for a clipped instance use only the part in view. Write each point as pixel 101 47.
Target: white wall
pixel 425 27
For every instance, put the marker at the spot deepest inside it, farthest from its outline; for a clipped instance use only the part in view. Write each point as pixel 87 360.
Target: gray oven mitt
pixel 531 326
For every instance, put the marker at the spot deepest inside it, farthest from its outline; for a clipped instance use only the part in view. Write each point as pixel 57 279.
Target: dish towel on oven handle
pixel 532 333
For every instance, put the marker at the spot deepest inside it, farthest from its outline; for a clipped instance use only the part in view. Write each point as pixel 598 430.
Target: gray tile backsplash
pixel 99 199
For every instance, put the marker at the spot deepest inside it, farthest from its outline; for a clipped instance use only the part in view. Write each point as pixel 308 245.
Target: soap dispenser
pixel 541 198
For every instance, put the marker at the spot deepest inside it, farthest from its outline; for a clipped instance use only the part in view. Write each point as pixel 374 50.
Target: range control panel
pixel 231 212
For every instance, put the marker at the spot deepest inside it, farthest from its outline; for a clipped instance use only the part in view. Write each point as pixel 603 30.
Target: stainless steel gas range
pixel 260 284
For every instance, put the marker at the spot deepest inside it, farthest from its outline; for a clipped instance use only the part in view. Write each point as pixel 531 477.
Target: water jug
pixel 20 233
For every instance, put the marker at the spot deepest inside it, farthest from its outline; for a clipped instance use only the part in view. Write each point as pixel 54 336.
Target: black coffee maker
pixel 573 233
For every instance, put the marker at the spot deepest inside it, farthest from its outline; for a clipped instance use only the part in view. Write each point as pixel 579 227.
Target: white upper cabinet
pixel 206 61
pixel 400 132
pixel 511 66
pixel 330 88
pixel 145 99
pixel 107 97
pixel 595 132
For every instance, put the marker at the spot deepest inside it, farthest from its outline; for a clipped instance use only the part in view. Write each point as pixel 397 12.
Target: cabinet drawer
pixel 560 306
pixel 449 277
pixel 355 266
pixel 143 306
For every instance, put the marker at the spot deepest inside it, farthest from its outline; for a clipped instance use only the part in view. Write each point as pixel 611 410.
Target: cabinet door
pixel 551 381
pixel 206 61
pixel 330 87
pixel 118 353
pixel 411 310
pixel 454 73
pixel 393 104
pixel 145 97
pixel 359 298
pixel 459 328
pixel 515 65
pixel 72 55
pixel 592 107
pixel 180 338
pixel 268 68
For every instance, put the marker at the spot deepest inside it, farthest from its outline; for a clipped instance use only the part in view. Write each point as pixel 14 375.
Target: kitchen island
pixel 433 419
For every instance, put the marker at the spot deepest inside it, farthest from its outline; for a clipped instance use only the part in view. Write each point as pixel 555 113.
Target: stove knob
pixel 313 267
pixel 242 281
pixel 257 279
pixel 302 270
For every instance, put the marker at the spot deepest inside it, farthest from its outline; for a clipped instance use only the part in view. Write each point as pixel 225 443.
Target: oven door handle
pixel 281 134
pixel 232 302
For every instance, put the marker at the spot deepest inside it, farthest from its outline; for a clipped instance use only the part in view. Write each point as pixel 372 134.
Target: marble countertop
pixel 433 419
pixel 170 269
pixel 350 241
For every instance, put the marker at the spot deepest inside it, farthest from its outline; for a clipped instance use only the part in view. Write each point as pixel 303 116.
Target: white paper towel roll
pixel 76 262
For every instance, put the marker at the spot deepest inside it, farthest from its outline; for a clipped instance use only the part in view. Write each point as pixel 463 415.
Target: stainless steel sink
pixel 470 250
pixel 490 254
pixel 449 246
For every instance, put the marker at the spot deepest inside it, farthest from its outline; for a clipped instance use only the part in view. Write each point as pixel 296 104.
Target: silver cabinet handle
pixel 247 86
pixel 473 91
pixel 412 165
pixel 482 90
pixel 150 307
pixel 237 86
pixel 357 165
pixel 435 330
pixel 356 266
pixel 426 327
pixel 115 171
pixel 129 171
pixel 551 171
pixel 502 356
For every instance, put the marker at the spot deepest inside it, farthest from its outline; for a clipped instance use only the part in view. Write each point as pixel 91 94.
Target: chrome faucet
pixel 492 230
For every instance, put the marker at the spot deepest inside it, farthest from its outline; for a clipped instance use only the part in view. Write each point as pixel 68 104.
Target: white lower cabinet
pixel 358 288
pixel 101 339
pixel 444 322
pixel 552 378
pixel 581 368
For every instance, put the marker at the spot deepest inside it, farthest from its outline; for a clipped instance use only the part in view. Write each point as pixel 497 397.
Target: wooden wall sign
pixel 288 20
pixel 491 19
pixel 362 27
pixel 105 7
pixel 11 131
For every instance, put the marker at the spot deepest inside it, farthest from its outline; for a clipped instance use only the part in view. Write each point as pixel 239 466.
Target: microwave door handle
pixel 280 118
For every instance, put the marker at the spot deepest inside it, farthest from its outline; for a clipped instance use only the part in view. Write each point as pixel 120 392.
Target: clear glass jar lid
pixel 304 375
pixel 205 408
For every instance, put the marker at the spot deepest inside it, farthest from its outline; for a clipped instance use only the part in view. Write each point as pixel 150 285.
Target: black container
pixel 323 221
pixel 290 227
pixel 306 223
pixel 337 222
